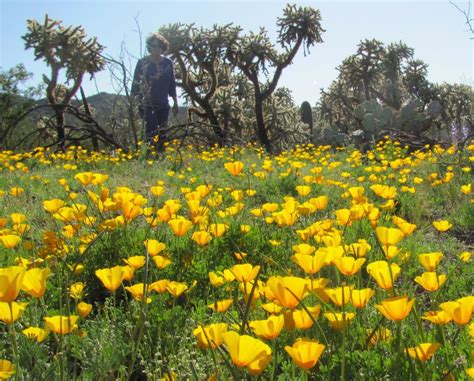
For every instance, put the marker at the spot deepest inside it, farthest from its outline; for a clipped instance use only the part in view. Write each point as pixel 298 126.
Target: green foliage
pixel 14 103
pixel 384 89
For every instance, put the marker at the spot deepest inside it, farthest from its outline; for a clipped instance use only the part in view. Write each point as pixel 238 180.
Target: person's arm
pixel 137 78
pixel 172 91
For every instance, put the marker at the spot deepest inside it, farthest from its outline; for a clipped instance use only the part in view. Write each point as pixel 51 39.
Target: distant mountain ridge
pixel 104 106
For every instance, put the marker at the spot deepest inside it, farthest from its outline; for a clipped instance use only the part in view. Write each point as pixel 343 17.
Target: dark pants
pixel 156 124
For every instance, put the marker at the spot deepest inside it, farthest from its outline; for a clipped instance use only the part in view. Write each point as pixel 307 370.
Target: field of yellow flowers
pixel 227 263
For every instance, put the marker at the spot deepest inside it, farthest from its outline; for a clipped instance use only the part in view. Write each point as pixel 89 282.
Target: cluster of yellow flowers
pixel 327 271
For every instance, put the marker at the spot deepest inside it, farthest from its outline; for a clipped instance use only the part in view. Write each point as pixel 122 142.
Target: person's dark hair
pixel 157 39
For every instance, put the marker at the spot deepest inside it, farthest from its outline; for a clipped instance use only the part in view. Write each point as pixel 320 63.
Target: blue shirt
pixel 153 83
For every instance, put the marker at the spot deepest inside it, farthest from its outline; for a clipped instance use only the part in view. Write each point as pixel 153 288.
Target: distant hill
pixel 105 106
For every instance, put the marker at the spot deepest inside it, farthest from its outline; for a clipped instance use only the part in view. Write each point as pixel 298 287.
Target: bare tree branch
pixel 467 15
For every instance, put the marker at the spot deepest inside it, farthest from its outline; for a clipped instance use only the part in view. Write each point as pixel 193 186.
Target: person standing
pixel 153 82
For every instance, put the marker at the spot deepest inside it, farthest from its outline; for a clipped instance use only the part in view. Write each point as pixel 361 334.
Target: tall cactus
pixel 384 89
pixel 67 49
pixel 307 116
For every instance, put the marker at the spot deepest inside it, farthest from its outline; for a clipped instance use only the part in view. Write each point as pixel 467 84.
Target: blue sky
pixel 435 29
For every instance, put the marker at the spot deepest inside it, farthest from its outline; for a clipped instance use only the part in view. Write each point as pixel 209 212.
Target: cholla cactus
pixel 226 75
pixel 64 49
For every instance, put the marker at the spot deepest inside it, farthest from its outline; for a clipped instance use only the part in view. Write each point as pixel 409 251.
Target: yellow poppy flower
pixel 237 195
pixel 320 202
pixel 246 351
pixel 289 290
pixel 138 291
pixel 384 191
pixel 339 321
pixel 210 335
pixel 344 217
pixel 34 281
pixel 11 312
pixel 159 286
pixel 390 252
pixel 61 325
pixel 240 256
pixel 424 351
pixel 340 296
pixel 317 286
pixel 466 189
pixel 85 178
pixel 17 218
pixel 284 218
pixel 202 238
pixel 269 328
pixel 360 298
pixel 234 167
pixel 465 256
pixel 7 369
pixel 176 288
pixel 396 308
pixel 180 226
pixel 384 273
pixel 304 249
pixel 245 228
pixel 389 236
pixel 348 265
pixel 430 260
pixel 131 211
pixel 111 278
pixel 52 206
pixel 221 305
pixel 407 228
pixel 10 241
pixel 128 272
pixel 35 333
pixel 442 225
pixel 437 317
pixel 311 264
pixel 305 352
pixel 11 279
pixel 84 309
pixel 215 279
pixel 16 191
pixel 271 308
pixel 76 290
pixel 357 194
pixel 303 318
pixel 161 262
pixel 358 249
pixel 431 281
pixel 218 230
pixel 154 247
pixel 388 205
pixel 136 262
pixel 303 190
pixel 245 272
pixel 157 190
pixel 460 311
